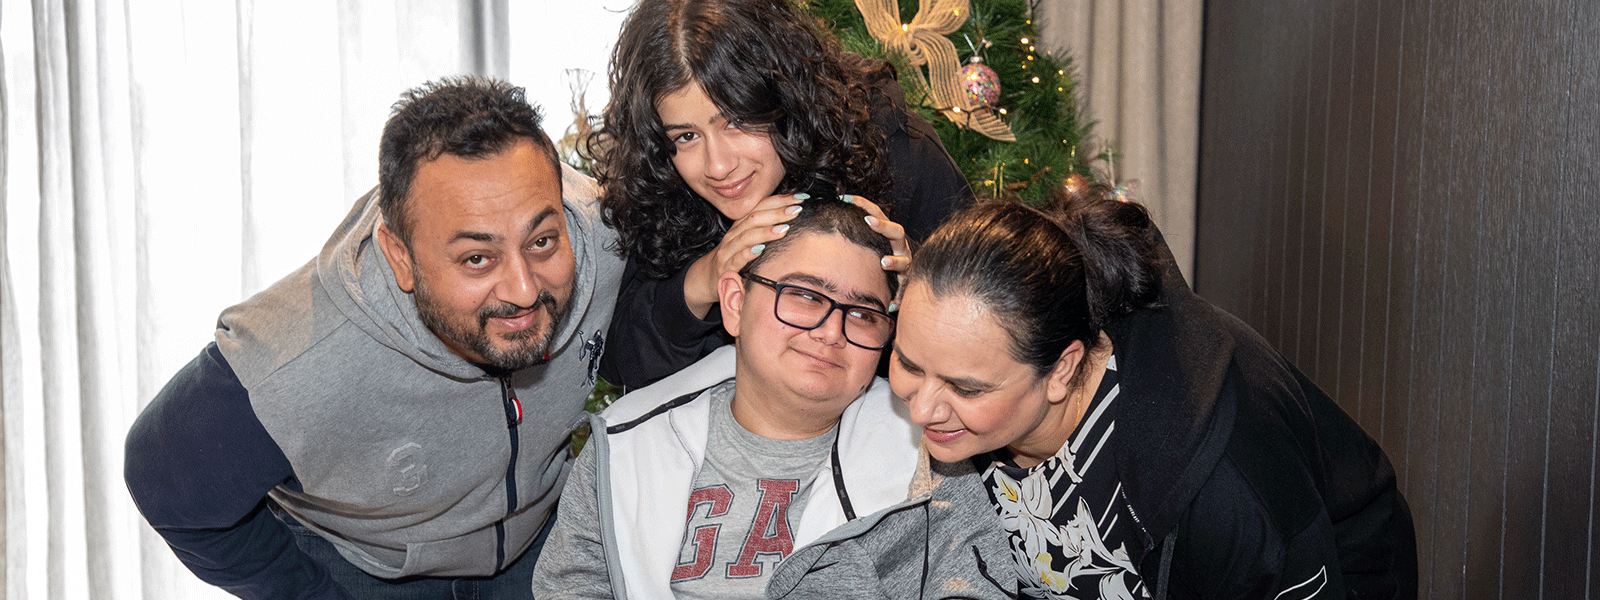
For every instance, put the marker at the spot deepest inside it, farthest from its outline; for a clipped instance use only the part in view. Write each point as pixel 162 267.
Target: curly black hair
pixel 770 69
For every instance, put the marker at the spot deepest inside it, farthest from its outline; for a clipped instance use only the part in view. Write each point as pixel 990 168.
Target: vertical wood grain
pixel 1428 174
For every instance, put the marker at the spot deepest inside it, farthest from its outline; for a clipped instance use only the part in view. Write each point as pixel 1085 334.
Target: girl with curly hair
pixel 724 115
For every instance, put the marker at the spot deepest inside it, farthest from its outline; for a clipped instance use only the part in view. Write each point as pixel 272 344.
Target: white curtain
pixel 1139 69
pixel 163 159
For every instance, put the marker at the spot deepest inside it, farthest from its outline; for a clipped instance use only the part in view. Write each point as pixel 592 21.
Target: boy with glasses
pixel 698 485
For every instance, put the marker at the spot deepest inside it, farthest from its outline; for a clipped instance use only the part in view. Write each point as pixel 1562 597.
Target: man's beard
pixel 528 347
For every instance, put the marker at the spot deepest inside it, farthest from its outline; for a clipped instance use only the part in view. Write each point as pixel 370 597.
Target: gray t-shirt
pixel 746 499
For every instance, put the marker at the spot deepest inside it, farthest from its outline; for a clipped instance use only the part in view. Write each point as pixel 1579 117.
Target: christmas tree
pixel 1007 113
pixel 999 87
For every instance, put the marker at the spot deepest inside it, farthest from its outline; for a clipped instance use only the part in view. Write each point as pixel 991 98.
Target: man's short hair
pixel 469 117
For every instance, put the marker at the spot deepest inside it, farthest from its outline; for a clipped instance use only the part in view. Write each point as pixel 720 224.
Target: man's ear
pixel 1059 379
pixel 399 258
pixel 730 291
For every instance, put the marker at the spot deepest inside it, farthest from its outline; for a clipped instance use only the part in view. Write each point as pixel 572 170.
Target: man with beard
pixel 358 429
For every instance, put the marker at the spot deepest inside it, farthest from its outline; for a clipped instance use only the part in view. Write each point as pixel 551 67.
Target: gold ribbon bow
pixel 923 42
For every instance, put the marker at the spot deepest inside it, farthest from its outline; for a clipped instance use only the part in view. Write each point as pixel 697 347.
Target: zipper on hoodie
pixel 513 408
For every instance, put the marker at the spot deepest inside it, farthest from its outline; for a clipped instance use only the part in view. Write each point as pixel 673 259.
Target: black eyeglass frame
pixel 778 288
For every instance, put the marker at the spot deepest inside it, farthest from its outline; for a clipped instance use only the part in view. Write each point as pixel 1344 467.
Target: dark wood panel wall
pixel 1404 197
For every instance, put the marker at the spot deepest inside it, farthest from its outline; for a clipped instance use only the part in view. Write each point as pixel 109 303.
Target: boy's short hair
pixel 829 214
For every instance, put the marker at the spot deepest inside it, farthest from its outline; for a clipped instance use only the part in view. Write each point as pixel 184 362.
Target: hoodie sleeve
pixel 199 466
pixel 573 561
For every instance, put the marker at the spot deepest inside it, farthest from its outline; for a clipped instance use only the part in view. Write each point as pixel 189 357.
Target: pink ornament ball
pixel 981 83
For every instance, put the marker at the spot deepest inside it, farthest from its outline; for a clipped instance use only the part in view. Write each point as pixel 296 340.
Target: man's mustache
pixel 507 309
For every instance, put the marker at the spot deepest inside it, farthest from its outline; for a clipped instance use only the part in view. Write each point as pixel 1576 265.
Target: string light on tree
pixel 1017 137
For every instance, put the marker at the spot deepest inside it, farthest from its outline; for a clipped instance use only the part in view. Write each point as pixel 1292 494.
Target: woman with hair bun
pixel 1134 440
pixel 724 114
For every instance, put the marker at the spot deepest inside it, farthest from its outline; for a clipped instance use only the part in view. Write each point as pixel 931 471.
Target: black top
pixel 1245 479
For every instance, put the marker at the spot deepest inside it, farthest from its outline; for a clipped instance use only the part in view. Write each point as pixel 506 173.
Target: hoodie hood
pixel 1171 428
pixel 356 277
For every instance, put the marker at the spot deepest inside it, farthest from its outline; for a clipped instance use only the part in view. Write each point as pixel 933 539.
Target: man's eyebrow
pixel 826 286
pixel 539 219
pixel 489 238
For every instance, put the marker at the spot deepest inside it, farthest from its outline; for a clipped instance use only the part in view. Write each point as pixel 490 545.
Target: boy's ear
pixel 1059 385
pixel 399 258
pixel 730 291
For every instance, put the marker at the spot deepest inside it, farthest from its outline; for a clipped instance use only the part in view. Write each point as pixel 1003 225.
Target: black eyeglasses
pixel 808 309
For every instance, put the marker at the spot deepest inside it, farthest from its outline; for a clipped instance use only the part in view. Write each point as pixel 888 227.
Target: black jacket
pixel 1247 481
pixel 653 334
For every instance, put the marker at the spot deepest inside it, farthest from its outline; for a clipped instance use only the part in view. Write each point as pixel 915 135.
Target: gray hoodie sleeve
pixel 573 562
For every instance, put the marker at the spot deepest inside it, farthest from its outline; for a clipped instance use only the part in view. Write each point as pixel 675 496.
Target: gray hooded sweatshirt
pixel 408 458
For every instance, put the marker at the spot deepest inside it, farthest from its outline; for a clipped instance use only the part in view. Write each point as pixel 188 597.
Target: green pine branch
pixel 1038 97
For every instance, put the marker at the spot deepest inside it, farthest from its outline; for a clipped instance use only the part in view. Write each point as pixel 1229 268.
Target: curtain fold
pixel 1138 65
pixel 159 162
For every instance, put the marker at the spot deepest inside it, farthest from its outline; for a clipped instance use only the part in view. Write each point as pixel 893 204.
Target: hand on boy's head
pixel 748 236
pixel 900 260
pixel 745 239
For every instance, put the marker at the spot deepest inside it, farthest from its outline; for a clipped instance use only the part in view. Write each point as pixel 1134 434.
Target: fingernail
pixel 893 307
pixel 884 261
pixel 781 229
pixel 802 196
pixel 756 249
pixel 847 199
pixel 793 210
pixel 872 221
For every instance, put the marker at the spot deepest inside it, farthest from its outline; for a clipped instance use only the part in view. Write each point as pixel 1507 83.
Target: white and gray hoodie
pixel 327 393
pixel 621 522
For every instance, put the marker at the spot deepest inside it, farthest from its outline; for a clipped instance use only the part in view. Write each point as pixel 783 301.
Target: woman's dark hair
pixel 770 69
pixel 1049 276
pixel 470 117
pixel 827 214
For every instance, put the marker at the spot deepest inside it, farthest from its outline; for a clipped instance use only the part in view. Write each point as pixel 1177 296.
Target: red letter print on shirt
pixel 704 538
pixel 769 534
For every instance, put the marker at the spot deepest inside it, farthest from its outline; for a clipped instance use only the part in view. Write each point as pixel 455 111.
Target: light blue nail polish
pixel 802 196
pixel 847 199
pixel 756 249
